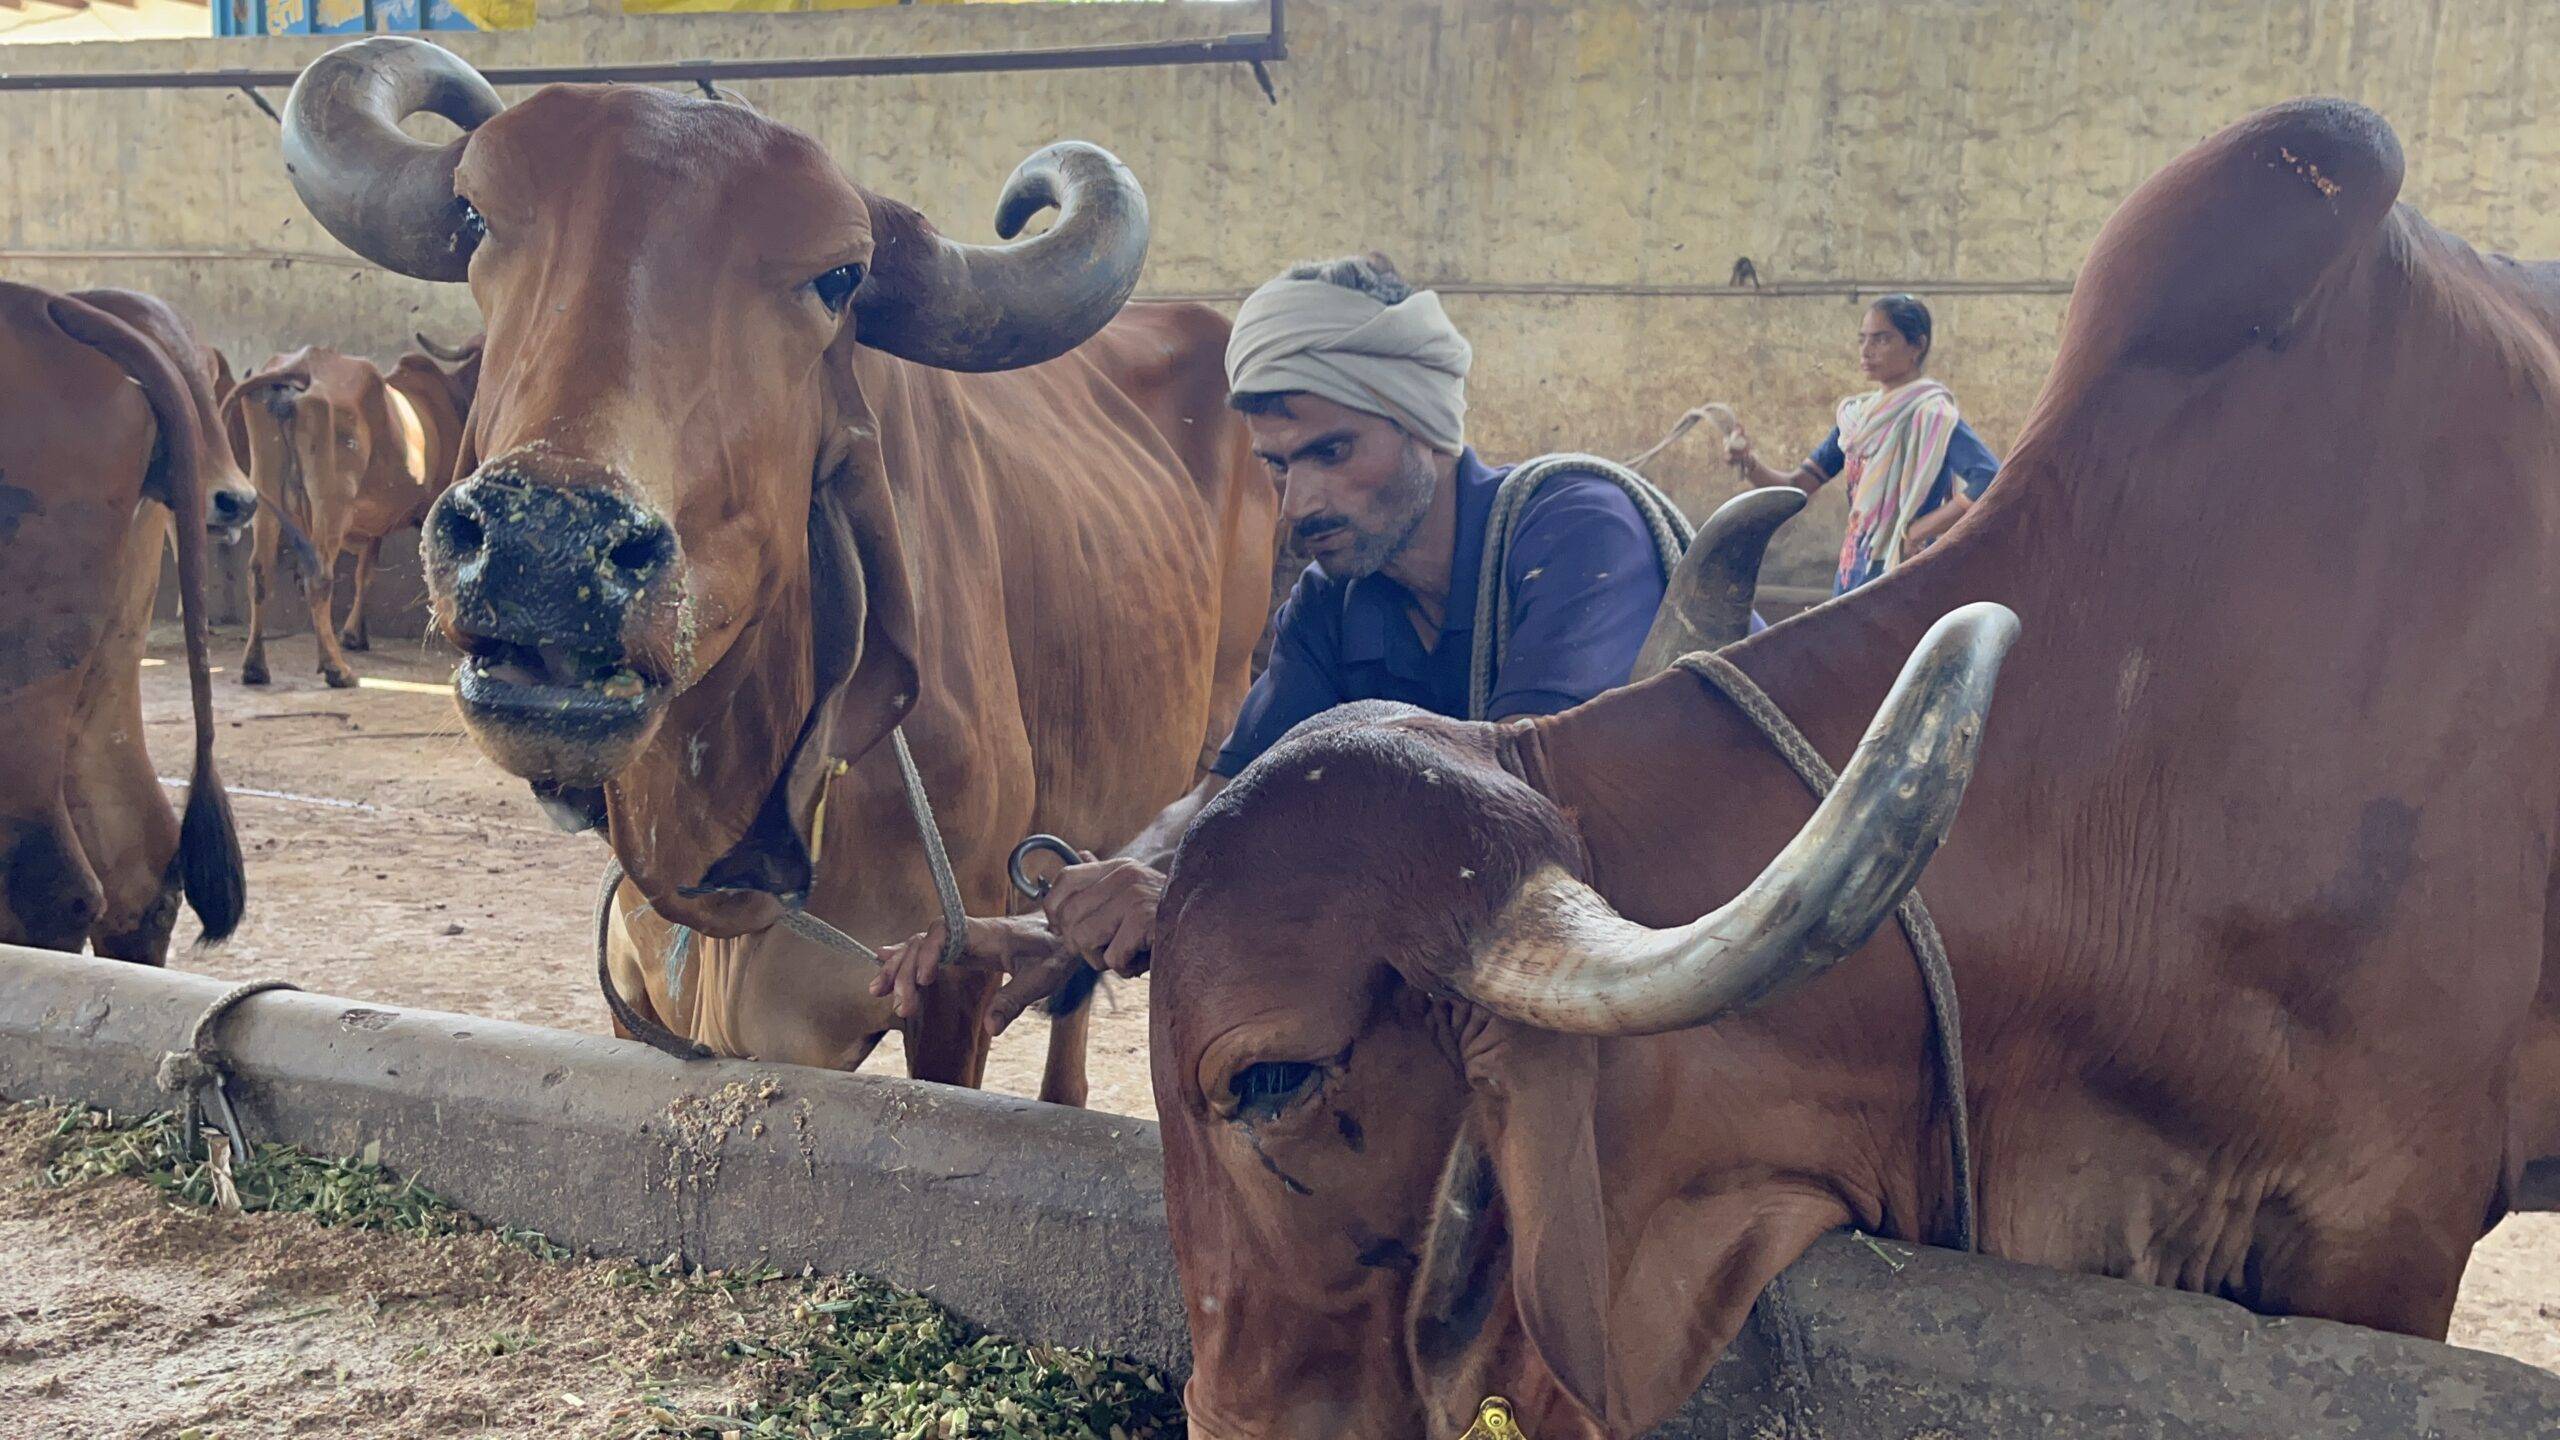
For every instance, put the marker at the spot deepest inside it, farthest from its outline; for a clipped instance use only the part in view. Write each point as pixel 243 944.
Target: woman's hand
pixel 1737 450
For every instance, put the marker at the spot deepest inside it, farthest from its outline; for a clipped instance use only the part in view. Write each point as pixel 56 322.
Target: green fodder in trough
pixel 849 1358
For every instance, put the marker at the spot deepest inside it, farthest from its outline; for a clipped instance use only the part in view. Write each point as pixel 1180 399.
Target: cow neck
pixel 431 396
pixel 1671 768
pixel 691 796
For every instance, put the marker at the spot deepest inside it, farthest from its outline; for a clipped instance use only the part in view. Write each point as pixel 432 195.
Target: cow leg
pixel 322 593
pixel 264 535
pixel 356 636
pixel 118 810
pixel 1062 1081
pixel 128 829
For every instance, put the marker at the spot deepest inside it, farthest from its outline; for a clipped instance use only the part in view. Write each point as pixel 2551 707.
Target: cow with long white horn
pixel 1516 1060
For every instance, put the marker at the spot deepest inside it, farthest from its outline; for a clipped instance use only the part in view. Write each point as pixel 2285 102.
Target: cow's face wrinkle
pixel 1464 1259
pixel 16 504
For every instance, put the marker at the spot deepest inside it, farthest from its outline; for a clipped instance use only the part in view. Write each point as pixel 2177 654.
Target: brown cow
pixel 106 401
pixel 741 501
pixel 346 454
pixel 2246 910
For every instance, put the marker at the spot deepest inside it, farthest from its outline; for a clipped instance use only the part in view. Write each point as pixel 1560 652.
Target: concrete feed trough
pixel 1048 1224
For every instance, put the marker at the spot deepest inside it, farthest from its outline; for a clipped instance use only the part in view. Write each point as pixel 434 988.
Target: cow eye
pixel 1263 1091
pixel 474 226
pixel 835 288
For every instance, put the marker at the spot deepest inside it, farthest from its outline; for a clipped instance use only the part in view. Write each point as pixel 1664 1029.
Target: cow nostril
pixel 644 552
pixel 460 531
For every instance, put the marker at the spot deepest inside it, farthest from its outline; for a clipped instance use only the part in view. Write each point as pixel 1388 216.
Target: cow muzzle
pixel 228 509
pixel 564 594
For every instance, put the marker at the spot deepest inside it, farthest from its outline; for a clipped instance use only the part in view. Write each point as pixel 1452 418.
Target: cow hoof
pixel 253 674
pixel 339 679
pixel 350 640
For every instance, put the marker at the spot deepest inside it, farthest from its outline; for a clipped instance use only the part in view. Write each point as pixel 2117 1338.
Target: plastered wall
pixel 1579 175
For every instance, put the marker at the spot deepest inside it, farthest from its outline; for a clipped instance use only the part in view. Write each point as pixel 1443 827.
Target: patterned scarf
pixel 1895 445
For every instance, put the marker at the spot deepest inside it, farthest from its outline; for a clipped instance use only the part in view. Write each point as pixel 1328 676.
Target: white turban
pixel 1404 361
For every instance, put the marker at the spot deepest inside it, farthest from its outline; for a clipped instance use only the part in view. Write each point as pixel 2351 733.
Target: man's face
pixel 1353 486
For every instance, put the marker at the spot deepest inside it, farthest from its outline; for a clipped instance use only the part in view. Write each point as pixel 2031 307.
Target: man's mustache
pixel 1316 527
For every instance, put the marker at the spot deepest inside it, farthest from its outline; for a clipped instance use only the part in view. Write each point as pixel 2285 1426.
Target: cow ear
pixel 862 654
pixel 1520 1206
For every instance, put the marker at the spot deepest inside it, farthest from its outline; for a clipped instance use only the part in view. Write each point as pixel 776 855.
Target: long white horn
pixel 1560 958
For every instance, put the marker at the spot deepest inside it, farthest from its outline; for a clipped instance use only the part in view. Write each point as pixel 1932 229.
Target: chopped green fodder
pixel 854 1359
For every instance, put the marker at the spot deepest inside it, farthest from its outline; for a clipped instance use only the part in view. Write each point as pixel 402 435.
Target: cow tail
pixel 1071 997
pixel 291 500
pixel 210 867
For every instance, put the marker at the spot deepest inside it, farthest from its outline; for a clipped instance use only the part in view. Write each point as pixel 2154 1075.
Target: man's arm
pixel 1103 912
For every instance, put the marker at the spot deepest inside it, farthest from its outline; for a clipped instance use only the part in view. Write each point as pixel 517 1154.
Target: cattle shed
pixel 1565 173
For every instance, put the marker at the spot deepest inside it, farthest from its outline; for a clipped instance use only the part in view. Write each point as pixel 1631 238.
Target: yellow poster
pixel 495 14
pixel 777 7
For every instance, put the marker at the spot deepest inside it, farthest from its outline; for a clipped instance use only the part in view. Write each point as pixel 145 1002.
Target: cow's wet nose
pixel 229 509
pixel 544 563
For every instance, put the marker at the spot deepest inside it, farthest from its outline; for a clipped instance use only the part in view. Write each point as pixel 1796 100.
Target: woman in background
pixel 1913 466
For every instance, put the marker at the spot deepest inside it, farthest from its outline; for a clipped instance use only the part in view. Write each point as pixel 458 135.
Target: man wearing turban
pixel 1353 388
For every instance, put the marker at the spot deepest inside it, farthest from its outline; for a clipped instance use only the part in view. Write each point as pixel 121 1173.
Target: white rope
pixel 1937 977
pixel 799 922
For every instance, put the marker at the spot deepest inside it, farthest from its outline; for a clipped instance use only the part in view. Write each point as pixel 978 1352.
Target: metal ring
pixel 1038 889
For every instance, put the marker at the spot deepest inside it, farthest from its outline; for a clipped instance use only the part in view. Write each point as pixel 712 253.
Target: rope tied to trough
pixel 199 1074
pixel 797 920
pixel 1937 977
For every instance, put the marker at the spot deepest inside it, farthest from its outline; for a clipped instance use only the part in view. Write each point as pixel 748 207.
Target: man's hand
pixel 1105 910
pixel 1019 947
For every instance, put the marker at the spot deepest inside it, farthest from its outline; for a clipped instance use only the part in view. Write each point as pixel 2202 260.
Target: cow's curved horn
pixel 449 354
pixel 1558 957
pixel 384 194
pixel 1708 605
pixel 998 307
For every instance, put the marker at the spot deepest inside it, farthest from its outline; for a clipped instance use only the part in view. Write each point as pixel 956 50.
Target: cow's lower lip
pixel 494 691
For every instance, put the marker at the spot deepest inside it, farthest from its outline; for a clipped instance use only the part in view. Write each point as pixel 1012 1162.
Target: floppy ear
pixel 1520 1203
pixel 862 652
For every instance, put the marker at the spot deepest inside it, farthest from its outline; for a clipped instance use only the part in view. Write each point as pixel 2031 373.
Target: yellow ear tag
pixel 818 812
pixel 1494 1422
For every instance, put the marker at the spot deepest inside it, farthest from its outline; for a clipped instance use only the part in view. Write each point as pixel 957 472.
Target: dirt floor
pixel 390 863
pixel 127 1317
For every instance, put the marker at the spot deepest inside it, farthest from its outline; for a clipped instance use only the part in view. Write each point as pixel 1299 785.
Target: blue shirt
pixel 1584 581
pixel 1969 463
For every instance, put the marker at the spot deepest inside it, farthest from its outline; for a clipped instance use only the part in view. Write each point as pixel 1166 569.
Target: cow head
pixel 455 368
pixel 672 562
pixel 229 499
pixel 1378 938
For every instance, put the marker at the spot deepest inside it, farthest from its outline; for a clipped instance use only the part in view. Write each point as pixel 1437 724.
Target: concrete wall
pixel 1578 175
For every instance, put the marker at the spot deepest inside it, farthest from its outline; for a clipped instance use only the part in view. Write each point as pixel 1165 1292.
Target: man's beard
pixel 1402 504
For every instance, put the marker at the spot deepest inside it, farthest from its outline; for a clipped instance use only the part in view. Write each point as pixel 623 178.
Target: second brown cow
pixel 348 454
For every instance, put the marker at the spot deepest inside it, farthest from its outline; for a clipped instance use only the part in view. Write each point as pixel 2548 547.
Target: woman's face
pixel 1883 354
